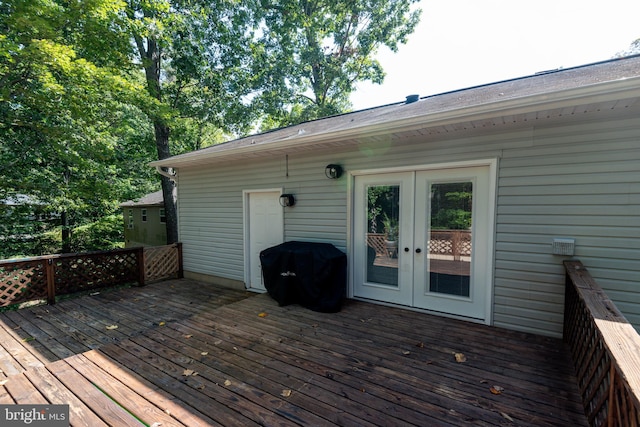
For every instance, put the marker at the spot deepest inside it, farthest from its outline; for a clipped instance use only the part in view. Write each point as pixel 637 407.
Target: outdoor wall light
pixel 333 171
pixel 287 200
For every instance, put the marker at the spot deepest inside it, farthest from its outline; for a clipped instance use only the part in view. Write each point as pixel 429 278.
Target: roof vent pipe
pixel 412 98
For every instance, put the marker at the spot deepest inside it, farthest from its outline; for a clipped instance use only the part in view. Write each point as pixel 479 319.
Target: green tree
pixel 633 49
pixel 194 57
pixel 91 90
pixel 64 99
pixel 314 52
pixel 451 206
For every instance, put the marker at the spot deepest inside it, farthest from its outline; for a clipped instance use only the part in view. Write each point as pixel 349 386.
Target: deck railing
pixel 48 276
pixel 605 349
pixel 454 243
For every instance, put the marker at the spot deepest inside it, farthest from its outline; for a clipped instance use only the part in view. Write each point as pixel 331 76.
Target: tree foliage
pixel 67 109
pixel 633 49
pixel 92 90
pixel 314 52
pixel 193 54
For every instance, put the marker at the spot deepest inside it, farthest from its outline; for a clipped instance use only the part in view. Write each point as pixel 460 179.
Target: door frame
pixel 492 164
pixel 246 216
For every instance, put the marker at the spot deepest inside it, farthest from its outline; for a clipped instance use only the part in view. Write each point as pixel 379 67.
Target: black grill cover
pixel 313 275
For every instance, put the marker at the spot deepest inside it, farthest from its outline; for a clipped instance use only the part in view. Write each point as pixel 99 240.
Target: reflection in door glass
pixel 450 238
pixel 383 212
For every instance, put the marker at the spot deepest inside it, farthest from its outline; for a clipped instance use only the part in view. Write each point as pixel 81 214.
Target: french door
pixel 422 239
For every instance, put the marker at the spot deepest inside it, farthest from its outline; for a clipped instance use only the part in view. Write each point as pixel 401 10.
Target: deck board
pixel 166 402
pixel 192 354
pixel 56 393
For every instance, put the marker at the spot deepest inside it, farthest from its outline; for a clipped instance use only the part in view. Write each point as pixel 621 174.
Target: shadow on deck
pixel 189 353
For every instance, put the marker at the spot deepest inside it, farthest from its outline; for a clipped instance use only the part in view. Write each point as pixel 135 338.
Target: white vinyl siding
pixel 210 203
pixel 580 180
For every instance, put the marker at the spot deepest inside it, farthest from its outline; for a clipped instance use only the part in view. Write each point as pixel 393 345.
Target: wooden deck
pixel 192 354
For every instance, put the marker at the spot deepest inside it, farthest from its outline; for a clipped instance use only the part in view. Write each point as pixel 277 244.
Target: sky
pixel 464 43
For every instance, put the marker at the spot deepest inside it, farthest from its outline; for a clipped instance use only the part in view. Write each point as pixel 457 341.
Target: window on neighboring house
pixel 130 224
pixel 144 215
pixel 163 218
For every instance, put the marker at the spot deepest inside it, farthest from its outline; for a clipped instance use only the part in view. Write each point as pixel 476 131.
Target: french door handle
pixel 418 250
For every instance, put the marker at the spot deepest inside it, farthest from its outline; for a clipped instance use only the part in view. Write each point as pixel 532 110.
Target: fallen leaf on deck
pixel 420 345
pixel 204 353
pixel 189 373
pixel 235 348
pixel 112 327
pixel 201 387
pixel 156 424
pixel 227 383
pixel 506 416
pixel 406 353
pixel 161 323
pixel 27 339
pixel 496 389
pixel 460 358
pixel 285 393
pixel 187 336
pixel 263 314
pixel 3 382
pixel 94 293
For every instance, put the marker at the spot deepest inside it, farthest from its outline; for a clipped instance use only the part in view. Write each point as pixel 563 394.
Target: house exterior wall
pixel 151 232
pixel 579 180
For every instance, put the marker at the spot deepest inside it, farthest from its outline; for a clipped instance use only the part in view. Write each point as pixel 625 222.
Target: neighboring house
pixel 488 189
pixel 144 221
pixel 29 207
pixel 23 216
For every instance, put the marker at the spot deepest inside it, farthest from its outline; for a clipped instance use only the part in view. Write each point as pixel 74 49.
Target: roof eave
pixel 599 92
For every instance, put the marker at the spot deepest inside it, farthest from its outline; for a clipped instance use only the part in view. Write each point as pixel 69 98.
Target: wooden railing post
pixel 180 267
pixel 141 267
pixel 51 281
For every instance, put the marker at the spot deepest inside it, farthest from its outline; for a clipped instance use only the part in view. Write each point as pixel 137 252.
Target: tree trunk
pixel 151 59
pixel 168 186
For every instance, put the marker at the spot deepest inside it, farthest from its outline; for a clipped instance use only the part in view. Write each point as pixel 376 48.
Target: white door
pixel 265 228
pixel 383 272
pixel 441 261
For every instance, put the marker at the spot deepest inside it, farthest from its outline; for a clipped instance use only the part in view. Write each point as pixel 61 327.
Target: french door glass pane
pixel 383 213
pixel 450 238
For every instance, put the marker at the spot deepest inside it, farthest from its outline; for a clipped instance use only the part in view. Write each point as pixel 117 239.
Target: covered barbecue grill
pixel 313 275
